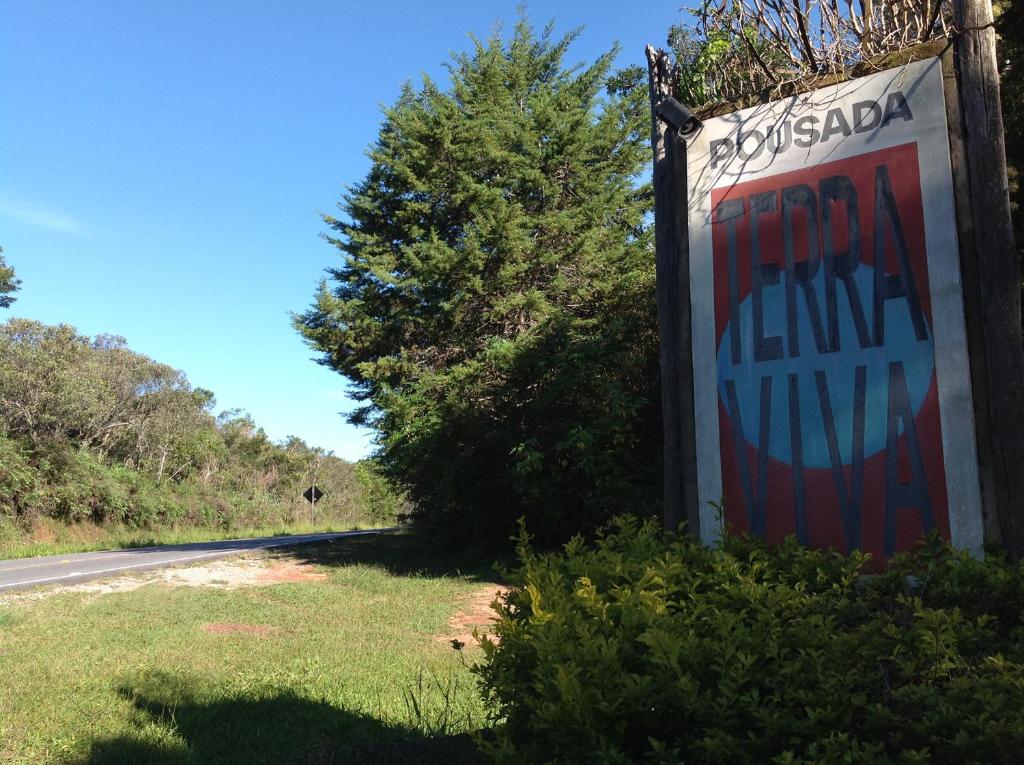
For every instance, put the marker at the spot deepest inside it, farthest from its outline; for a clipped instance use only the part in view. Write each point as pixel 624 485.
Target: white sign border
pixel 922 83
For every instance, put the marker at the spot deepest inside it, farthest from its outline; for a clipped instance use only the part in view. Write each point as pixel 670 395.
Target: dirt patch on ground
pixel 251 570
pixel 227 628
pixel 475 613
pixel 289 572
pixel 226 574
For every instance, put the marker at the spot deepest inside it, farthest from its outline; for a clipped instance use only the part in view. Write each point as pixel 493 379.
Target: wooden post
pixel 972 294
pixel 998 272
pixel 672 253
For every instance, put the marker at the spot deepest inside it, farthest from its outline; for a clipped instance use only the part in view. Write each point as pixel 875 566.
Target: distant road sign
pixel 313 494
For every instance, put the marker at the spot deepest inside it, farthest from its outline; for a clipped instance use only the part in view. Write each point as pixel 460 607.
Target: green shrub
pixel 17 478
pixel 86 490
pixel 645 649
pixel 380 501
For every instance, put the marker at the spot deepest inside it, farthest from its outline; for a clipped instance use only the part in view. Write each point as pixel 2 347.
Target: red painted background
pixel 823 519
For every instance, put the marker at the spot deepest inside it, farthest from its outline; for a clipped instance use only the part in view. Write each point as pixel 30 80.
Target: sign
pixel 312 494
pixel 831 381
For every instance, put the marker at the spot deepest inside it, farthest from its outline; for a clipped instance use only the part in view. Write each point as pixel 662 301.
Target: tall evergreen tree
pixel 495 308
pixel 8 284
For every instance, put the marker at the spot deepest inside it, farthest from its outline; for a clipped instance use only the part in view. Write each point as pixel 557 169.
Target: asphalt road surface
pixel 64 569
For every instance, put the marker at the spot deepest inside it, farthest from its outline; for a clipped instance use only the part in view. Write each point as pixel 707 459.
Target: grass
pixel 54 537
pixel 349 669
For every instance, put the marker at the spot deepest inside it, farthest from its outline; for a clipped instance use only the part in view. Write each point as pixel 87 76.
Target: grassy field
pixel 354 667
pixel 53 537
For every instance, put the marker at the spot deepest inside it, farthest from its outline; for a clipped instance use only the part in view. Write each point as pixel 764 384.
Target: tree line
pixel 92 430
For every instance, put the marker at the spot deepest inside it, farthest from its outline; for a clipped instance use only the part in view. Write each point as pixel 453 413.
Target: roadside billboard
pixel 831 378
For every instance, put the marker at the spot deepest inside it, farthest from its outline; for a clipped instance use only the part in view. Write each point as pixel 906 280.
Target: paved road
pixel 64 569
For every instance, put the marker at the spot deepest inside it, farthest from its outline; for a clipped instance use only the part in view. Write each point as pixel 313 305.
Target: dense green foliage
pixel 91 430
pixel 642 649
pixel 495 309
pixel 8 283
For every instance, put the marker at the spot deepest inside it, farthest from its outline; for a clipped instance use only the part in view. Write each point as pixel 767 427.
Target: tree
pixel 46 388
pixel 8 284
pixel 57 385
pixel 495 309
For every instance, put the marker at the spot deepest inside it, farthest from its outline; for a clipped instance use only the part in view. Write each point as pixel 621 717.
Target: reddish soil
pixel 280 573
pixel 477 612
pixel 226 628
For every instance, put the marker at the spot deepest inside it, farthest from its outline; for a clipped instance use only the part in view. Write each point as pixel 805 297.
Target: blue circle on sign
pixel 901 344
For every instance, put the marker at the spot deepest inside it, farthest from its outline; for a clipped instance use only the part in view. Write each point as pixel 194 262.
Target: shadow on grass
pixel 175 726
pixel 402 553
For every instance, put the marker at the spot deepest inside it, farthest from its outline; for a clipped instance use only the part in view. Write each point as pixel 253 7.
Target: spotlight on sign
pixel 678 115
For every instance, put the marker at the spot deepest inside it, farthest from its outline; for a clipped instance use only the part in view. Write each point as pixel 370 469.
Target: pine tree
pixel 495 308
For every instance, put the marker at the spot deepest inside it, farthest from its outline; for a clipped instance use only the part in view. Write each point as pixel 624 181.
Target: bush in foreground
pixel 640 648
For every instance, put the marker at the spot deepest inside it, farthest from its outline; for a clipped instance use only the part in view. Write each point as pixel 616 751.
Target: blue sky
pixel 161 165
